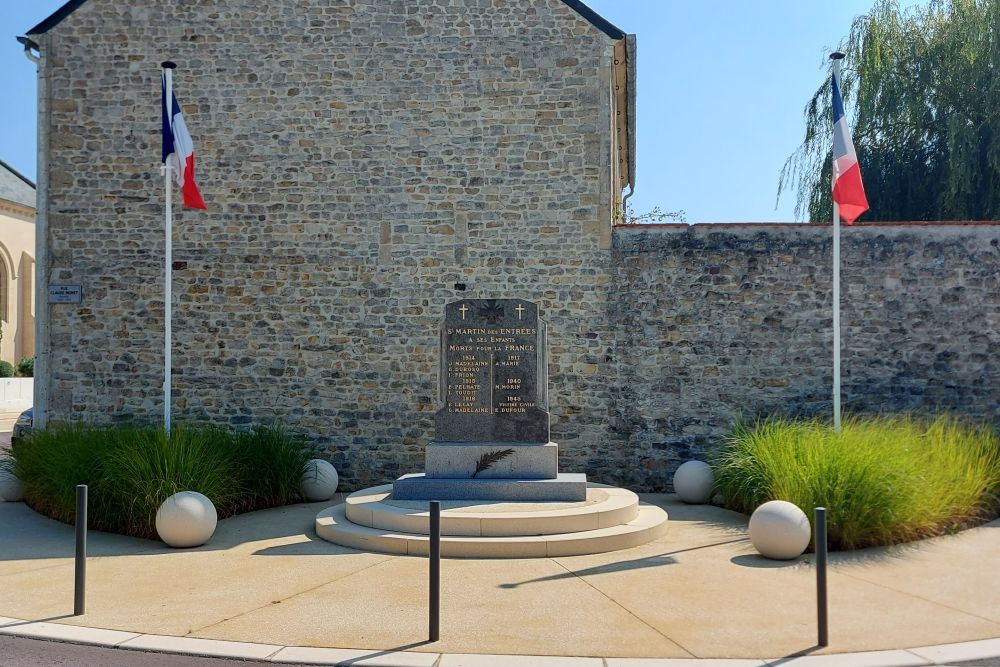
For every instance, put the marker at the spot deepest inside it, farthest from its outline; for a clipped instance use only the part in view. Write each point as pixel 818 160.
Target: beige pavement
pixel 700 591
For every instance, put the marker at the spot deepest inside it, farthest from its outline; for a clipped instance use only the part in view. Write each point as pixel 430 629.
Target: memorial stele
pixel 491 429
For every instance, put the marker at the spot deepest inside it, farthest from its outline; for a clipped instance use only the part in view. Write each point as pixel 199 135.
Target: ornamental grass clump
pixel 131 470
pixel 882 480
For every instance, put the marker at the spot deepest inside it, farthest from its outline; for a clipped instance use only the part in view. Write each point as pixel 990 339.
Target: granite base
pixel 458 461
pixel 565 487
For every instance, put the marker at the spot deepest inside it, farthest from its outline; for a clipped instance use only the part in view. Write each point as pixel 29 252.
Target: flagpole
pixel 837 56
pixel 168 77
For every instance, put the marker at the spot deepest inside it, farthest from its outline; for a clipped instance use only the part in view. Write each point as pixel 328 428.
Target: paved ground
pixel 20 652
pixel 698 592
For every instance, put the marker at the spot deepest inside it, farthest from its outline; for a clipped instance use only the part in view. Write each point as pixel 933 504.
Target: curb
pixel 923 656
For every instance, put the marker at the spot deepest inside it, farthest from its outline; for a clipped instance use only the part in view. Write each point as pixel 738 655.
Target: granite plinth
pixel 459 460
pixel 566 487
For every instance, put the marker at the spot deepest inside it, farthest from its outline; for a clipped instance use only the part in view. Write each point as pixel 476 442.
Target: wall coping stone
pixel 730 225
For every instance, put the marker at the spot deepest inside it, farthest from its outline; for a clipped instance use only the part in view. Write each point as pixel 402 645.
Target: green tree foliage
pixel 923 88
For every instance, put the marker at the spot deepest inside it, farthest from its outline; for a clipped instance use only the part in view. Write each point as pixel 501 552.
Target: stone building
pixel 366 162
pixel 17 265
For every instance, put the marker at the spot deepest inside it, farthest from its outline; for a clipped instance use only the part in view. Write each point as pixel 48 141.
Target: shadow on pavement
pixel 31 536
pixel 658 560
pixel 793 656
pixel 37 620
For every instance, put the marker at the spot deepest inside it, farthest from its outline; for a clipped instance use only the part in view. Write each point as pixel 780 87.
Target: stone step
pixel 651 523
pixel 605 507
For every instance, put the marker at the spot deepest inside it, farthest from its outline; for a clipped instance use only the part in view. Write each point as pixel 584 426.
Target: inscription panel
pixel 493 373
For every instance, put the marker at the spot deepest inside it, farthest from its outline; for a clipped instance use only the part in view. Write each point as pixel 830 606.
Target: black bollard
pixel 80 592
pixel 435 572
pixel 821 607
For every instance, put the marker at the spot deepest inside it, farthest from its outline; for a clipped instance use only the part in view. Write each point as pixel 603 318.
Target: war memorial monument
pixel 491 460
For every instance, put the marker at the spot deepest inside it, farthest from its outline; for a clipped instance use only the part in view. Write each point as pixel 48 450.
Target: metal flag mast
pixel 836 57
pixel 168 172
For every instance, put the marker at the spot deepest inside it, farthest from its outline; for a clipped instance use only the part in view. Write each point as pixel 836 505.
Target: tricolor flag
pixel 848 191
pixel 178 150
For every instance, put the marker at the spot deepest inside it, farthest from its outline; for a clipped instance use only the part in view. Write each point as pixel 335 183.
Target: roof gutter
pixel 630 53
pixel 624 114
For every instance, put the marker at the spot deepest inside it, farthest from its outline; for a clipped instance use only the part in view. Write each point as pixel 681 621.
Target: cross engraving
pixel 464 309
pixel 520 310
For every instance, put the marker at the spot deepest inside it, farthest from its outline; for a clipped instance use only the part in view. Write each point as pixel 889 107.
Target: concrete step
pixel 333 525
pixel 606 506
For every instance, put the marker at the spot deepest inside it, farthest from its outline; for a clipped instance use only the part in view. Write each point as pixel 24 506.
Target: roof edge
pixel 18 174
pixel 595 19
pixel 56 17
pixel 583 10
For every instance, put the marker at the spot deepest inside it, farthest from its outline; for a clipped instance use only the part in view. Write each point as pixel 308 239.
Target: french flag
pixel 178 150
pixel 848 190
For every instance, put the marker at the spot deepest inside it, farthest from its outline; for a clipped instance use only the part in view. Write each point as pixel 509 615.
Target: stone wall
pixel 718 322
pixel 364 163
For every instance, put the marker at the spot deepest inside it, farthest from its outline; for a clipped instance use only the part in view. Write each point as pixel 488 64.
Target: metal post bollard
pixel 821 606
pixel 435 572
pixel 80 592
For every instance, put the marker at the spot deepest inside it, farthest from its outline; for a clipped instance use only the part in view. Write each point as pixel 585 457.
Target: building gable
pixel 578 6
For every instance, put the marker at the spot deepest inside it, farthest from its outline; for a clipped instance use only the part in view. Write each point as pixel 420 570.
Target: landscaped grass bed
pixel 882 480
pixel 131 470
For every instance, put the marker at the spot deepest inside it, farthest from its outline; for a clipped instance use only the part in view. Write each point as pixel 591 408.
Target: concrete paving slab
pixel 719 599
pixel 682 662
pixel 341 656
pixel 977 650
pixel 697 591
pixel 936 570
pixel 467 660
pixel 385 607
pixel 173 592
pixel 68 633
pixel 33 542
pixel 865 659
pixel 207 647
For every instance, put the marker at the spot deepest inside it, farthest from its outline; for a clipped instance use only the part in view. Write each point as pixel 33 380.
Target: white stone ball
pixel 10 487
pixel 779 530
pixel 693 482
pixel 319 481
pixel 186 519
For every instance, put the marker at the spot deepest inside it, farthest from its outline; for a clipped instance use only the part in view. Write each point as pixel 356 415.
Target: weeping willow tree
pixel 922 86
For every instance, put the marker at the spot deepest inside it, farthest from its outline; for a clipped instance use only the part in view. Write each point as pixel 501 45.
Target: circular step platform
pixel 608 520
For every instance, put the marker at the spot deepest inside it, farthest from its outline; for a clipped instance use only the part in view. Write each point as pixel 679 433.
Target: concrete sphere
pixel 186 519
pixel 693 482
pixel 10 487
pixel 779 530
pixel 319 482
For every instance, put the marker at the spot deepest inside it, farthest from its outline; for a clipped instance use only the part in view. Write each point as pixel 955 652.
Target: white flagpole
pixel 836 57
pixel 168 178
pixel 836 317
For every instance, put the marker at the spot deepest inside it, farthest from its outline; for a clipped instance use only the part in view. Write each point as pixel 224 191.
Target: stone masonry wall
pixel 364 162
pixel 367 161
pixel 715 322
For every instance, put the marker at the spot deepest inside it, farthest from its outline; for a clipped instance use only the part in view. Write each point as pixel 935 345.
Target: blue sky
pixel 721 87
